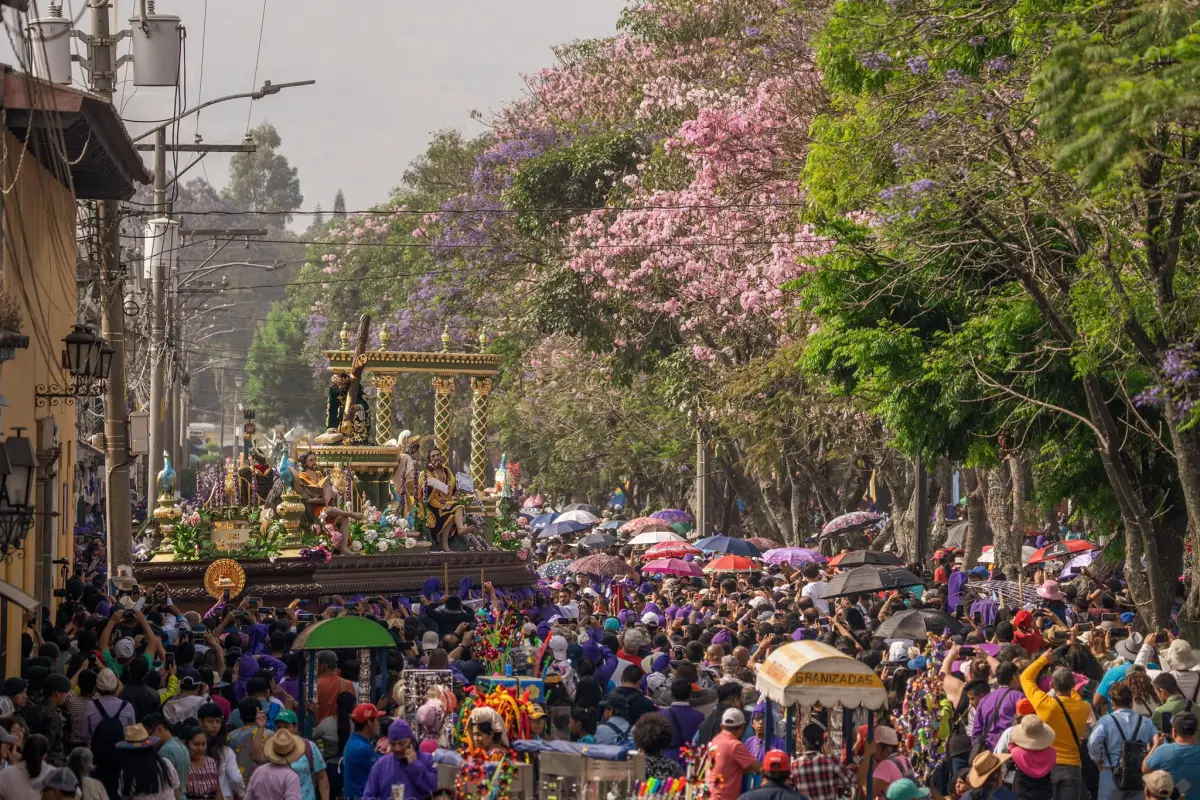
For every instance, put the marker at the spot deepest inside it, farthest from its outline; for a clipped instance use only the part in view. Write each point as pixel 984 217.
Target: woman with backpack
pixel 1118 744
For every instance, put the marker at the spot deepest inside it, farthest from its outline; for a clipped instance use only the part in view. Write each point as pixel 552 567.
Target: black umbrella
pixel 588 507
pixel 857 558
pixel 596 541
pixel 870 579
pixel 915 624
pixel 956 535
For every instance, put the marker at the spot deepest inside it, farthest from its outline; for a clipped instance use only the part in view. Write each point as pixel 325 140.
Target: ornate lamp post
pixel 17 463
pixel 88 359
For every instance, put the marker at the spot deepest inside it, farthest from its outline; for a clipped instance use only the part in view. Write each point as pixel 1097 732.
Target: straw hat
pixel 137 737
pixel 1033 734
pixel 984 765
pixel 1180 656
pixel 283 748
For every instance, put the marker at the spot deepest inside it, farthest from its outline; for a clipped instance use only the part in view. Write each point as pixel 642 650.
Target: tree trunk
pixel 900 477
pixel 746 489
pixel 975 486
pixel 1187 455
pixel 1008 544
pixel 944 479
pixel 999 514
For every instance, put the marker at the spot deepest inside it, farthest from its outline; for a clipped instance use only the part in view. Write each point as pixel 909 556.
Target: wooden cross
pixel 357 364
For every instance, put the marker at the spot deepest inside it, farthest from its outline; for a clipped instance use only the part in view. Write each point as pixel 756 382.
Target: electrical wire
pixel 401 212
pixel 262 24
pixel 200 87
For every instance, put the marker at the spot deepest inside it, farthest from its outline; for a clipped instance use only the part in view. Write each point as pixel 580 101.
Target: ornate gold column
pixel 384 385
pixel 442 386
pixel 480 389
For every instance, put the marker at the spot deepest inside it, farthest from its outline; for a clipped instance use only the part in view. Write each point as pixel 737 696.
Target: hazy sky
pixel 388 73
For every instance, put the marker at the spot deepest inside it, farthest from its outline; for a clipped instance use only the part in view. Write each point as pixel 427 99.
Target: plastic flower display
pixel 380 532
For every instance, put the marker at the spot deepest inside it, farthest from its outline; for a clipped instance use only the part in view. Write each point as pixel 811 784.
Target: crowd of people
pixel 128 697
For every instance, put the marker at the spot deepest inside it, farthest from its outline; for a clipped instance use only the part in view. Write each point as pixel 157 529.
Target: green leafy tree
pixel 281 386
pixel 339 205
pixel 264 180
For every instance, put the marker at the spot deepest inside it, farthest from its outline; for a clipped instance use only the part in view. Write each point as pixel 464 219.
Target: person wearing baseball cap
pixel 310 764
pixel 777 770
pixel 359 755
pixel 731 761
pixel 1159 785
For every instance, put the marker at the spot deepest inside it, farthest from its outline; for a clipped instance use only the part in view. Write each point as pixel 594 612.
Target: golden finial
pixel 446 338
pixel 483 340
pixel 385 336
pixel 345 335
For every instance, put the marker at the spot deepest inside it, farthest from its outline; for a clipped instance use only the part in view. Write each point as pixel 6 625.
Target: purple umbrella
pixel 1077 563
pixel 794 556
pixel 672 515
pixel 855 520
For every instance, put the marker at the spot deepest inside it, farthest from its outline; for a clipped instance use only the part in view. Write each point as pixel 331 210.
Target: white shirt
pixel 570 610
pixel 816 591
pixel 1188 681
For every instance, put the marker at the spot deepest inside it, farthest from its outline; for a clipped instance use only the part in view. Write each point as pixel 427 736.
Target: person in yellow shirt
pixel 1067 715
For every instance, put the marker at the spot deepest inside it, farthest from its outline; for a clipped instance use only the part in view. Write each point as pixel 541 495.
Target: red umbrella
pixel 764 544
pixel 672 566
pixel 673 550
pixel 732 564
pixel 1059 549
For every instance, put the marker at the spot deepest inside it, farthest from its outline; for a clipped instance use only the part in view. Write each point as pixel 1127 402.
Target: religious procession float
pixel 356 510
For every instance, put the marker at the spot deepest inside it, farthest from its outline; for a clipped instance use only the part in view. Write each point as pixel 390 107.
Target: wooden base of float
pixel 289 578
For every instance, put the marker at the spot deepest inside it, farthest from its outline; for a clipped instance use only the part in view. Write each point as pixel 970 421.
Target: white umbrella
pixel 578 515
pixel 989 557
pixel 655 537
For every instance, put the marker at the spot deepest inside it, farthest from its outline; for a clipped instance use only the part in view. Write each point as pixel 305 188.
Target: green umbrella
pixel 682 528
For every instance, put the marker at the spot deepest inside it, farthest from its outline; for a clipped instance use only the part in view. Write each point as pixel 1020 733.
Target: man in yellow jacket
pixel 1067 714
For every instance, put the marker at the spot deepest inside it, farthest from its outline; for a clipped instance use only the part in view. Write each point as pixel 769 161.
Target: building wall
pixel 38 271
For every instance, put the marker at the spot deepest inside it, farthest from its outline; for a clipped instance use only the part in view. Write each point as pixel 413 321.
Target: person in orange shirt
pixel 729 760
pixel 329 684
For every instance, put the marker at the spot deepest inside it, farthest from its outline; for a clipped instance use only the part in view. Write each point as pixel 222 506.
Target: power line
pixel 396 212
pixel 262 24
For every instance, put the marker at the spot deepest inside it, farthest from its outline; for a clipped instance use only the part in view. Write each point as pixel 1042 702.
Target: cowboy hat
pixel 1128 648
pixel 1033 734
pixel 1050 590
pixel 137 737
pixel 123 578
pixel 283 748
pixel 1179 656
pixel 984 765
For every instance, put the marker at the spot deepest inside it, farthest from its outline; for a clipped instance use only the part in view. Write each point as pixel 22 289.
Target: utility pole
pixel 118 515
pixel 701 482
pixel 158 313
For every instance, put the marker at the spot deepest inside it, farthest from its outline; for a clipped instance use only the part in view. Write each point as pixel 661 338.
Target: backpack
pixel 1127 772
pixel 107 733
pixel 623 739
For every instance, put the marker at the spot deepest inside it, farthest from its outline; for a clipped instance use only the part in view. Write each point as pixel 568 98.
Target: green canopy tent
pixel 370 641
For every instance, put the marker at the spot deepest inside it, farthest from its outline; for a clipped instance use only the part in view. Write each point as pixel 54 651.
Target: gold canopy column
pixel 442 385
pixel 384 386
pixel 480 389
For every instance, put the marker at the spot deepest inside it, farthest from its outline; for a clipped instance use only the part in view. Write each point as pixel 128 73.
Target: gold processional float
pixel 320 518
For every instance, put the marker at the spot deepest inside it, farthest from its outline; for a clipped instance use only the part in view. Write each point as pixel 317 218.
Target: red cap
pixel 776 761
pixel 1024 707
pixel 365 712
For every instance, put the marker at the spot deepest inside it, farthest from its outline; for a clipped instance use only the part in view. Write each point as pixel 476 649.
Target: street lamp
pixel 87 358
pixel 17 462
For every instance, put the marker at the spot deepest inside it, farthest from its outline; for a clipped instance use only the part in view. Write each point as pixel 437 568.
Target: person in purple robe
pixel 407 766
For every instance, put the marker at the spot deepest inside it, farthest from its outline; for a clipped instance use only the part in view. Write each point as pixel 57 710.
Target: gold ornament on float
pixel 223 575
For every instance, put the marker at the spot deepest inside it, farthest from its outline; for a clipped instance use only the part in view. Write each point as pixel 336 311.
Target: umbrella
pixel 989 554
pixel 870 579
pixel 727 544
pixel 578 515
pixel 527 514
pixel 855 520
pixel 764 544
pixel 636 526
pixel 915 624
pixel 604 566
pixel 671 566
pixel 1060 549
pixel 673 550
pixel 857 558
pixel 611 524
pixel 795 556
pixel 732 564
pixel 669 515
pixel 656 537
pixel 681 527
pixel 555 569
pixel 539 522
pixel 588 507
pixel 561 528
pixel 1076 564
pixel 956 535
pixel 596 541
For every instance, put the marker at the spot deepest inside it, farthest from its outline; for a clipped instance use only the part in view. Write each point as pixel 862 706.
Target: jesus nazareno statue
pixel 335 409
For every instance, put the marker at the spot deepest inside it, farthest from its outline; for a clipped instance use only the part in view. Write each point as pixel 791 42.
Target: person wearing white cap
pixel 558 655
pixel 731 760
pixel 1179 659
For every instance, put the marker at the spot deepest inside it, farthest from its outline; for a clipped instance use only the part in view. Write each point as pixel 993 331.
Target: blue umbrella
pixel 527 514
pixel 611 524
pixel 537 523
pixel 728 545
pixel 562 528
pixel 555 569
